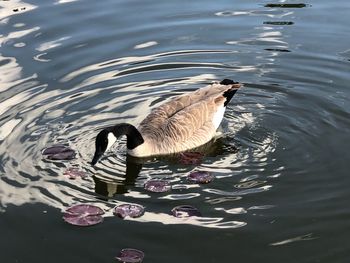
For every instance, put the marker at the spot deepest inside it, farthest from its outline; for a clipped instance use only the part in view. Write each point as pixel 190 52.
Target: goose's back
pixel 183 123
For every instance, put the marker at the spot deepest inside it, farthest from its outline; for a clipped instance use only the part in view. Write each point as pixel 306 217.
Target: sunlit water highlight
pixel 280 160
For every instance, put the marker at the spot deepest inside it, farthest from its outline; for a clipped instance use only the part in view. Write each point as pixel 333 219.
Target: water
pixel 69 68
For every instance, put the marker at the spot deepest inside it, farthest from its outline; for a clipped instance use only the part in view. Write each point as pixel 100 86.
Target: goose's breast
pixel 142 150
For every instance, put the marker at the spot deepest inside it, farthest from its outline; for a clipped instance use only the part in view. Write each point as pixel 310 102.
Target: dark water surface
pixel 281 192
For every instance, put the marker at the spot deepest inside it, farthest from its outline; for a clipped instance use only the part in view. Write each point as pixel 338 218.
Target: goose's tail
pixel 228 94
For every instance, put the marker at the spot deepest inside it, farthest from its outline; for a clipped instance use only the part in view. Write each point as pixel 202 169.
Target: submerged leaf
pixel 157 186
pixel 59 152
pixel 201 177
pixel 73 173
pixel 83 215
pixel 131 210
pixel 130 255
pixel 185 211
pixel 191 157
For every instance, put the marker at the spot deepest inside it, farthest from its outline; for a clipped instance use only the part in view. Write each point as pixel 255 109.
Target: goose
pixel 183 123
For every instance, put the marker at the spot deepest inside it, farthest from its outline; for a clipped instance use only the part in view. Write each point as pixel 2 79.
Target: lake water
pixel 281 193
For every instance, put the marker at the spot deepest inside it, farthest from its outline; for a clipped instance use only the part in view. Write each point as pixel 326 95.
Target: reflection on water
pixel 210 222
pixel 117 173
pixel 239 193
pixel 8 127
pixel 294 239
pixel 9 8
pixel 109 182
pixel 280 160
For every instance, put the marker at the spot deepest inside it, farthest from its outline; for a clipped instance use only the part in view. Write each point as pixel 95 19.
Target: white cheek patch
pixel 218 116
pixel 111 140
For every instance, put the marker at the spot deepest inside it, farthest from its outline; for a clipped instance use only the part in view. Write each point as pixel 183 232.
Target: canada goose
pixel 183 123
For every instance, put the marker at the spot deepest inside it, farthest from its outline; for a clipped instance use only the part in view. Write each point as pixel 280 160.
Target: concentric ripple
pixel 62 89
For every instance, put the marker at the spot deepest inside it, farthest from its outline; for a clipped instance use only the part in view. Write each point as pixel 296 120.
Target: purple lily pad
pixel 191 157
pixel 130 210
pixel 59 152
pixel 130 255
pixel 83 215
pixel 157 186
pixel 183 211
pixel 201 177
pixel 73 173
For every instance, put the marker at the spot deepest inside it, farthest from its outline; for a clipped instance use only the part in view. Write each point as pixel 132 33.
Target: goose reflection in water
pixel 109 187
pixel 119 180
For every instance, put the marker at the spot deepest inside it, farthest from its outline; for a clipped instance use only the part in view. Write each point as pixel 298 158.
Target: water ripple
pixel 281 153
pixel 180 196
pixel 209 222
pixel 306 237
pixel 238 193
pixel 137 60
pixel 275 113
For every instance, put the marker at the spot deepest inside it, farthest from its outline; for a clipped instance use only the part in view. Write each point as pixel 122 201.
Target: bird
pixel 183 123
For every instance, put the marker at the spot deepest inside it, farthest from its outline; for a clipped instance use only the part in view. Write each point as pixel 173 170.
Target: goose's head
pixel 108 136
pixel 104 141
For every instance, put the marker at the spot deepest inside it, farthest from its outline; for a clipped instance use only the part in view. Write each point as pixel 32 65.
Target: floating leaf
pixel 130 255
pixel 83 215
pixel 185 211
pixel 191 157
pixel 59 152
pixel 201 177
pixel 157 186
pixel 130 210
pixel 73 173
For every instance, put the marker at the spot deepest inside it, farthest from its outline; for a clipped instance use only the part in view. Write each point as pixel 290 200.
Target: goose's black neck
pixel 134 137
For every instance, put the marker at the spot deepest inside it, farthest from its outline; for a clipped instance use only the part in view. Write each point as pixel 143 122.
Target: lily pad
pixel 191 157
pixel 59 152
pixel 157 186
pixel 73 173
pixel 83 215
pixel 183 211
pixel 201 177
pixel 130 210
pixel 130 255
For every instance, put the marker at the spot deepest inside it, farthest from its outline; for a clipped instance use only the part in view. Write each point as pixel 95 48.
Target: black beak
pixel 97 156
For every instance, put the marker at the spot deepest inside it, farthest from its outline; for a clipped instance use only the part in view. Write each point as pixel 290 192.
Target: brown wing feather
pixel 160 115
pixel 186 121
